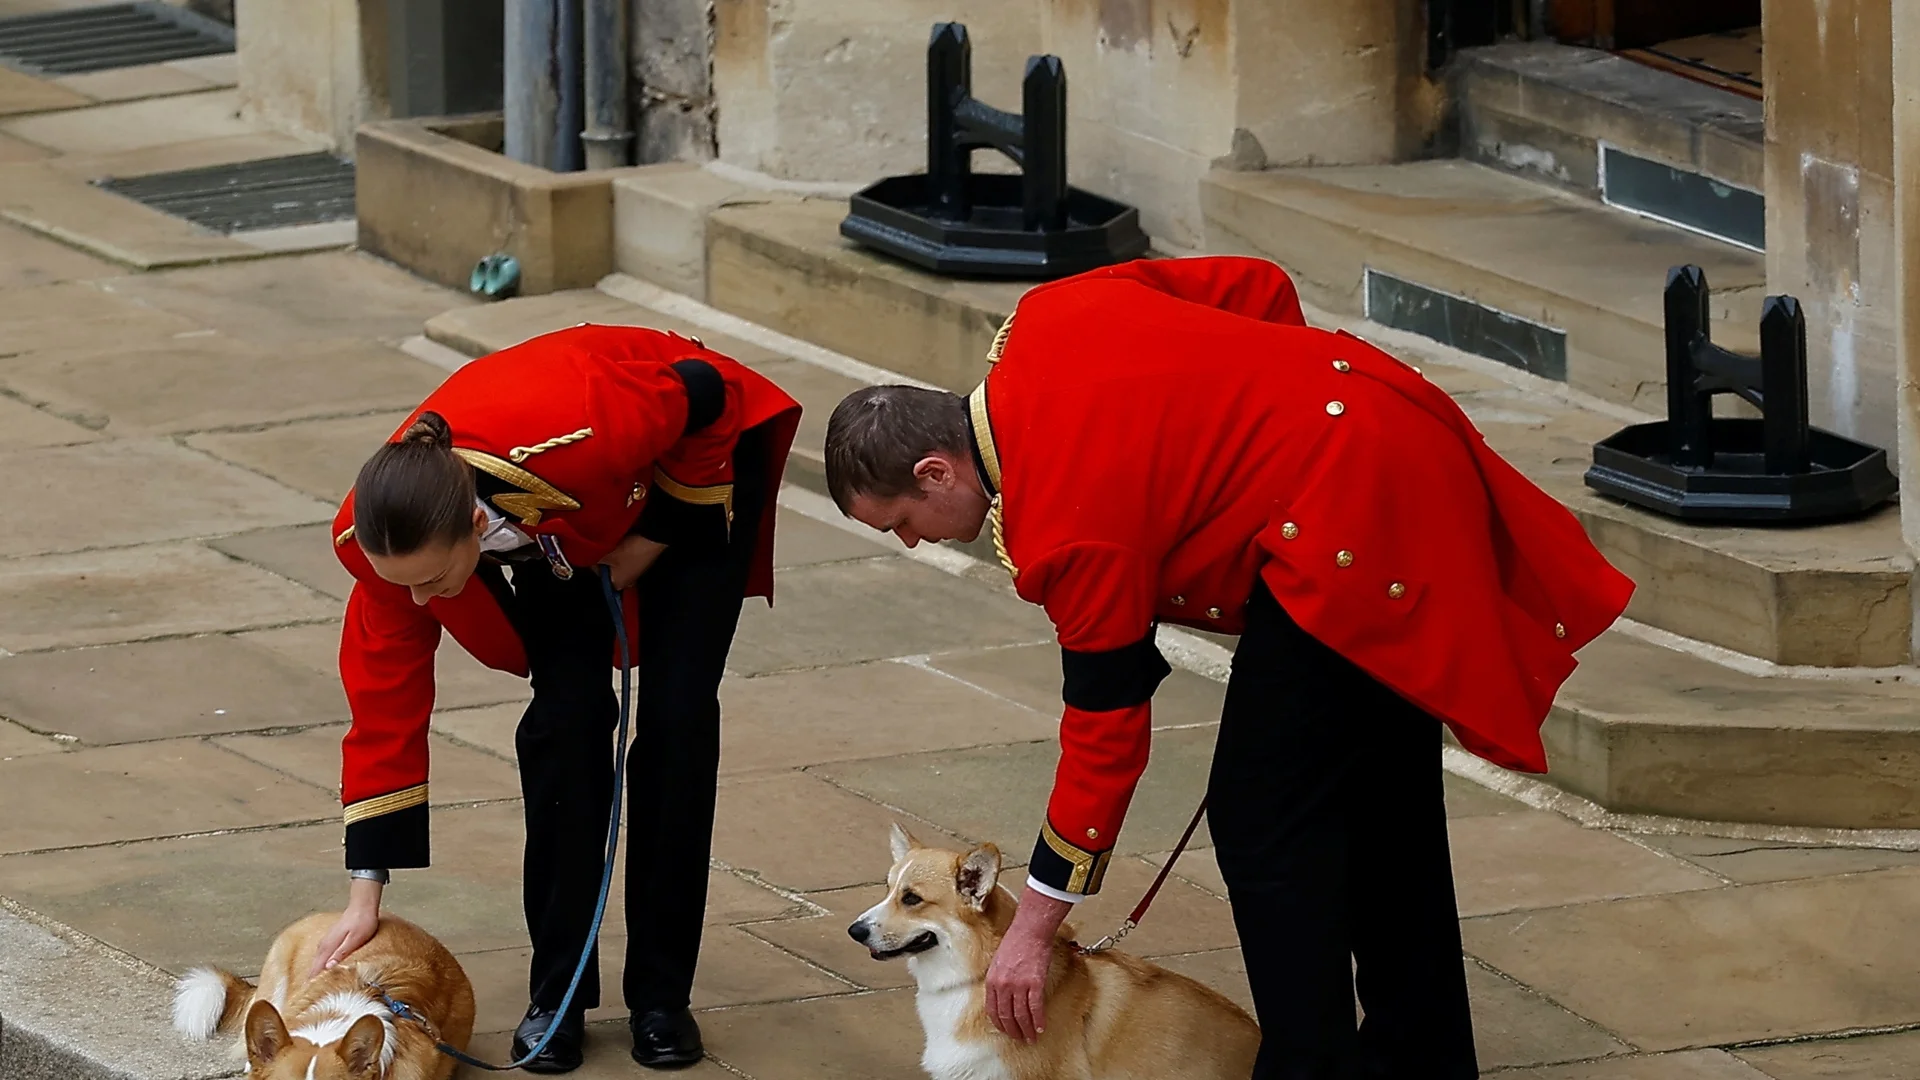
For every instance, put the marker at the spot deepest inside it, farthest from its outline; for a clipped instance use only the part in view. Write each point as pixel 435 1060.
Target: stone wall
pixel 836 89
pixel 671 51
pixel 1830 236
pixel 305 65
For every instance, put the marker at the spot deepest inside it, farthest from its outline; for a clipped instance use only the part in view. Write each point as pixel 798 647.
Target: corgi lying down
pixel 335 1026
pixel 1110 1016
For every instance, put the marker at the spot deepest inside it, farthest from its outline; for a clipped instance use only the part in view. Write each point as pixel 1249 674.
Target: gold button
pixel 1335 408
pixel 1093 834
pixel 1213 613
pixel 1342 365
pixel 1559 630
pixel 1396 590
pixel 1289 531
pixel 1179 601
pixel 1343 559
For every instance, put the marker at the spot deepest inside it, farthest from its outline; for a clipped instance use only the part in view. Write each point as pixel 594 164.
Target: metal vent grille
pixel 87 39
pixel 266 194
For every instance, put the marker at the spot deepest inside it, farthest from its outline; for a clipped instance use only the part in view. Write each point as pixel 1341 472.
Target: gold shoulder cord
pixel 521 453
pixel 984 426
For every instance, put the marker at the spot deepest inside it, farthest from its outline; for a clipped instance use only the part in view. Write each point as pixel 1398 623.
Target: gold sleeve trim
pixel 535 497
pixel 712 495
pixel 1089 869
pixel 341 540
pixel 404 799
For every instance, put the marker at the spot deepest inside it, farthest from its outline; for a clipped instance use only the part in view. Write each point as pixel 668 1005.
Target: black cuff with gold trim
pixel 1060 865
pixel 678 515
pixel 1114 679
pixel 389 832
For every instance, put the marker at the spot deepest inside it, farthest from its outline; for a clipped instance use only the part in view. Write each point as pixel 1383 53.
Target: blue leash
pixel 400 1008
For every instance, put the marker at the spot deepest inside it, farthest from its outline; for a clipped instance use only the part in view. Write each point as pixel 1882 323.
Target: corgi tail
pixel 207 1001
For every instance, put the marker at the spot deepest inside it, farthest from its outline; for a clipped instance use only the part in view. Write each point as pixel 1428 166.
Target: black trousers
pixel 1329 820
pixel 689 607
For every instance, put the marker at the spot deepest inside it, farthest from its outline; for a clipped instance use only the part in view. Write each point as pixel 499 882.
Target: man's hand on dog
pixel 1017 981
pixel 355 927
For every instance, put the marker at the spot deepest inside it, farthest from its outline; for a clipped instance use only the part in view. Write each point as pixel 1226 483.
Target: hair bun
pixel 429 428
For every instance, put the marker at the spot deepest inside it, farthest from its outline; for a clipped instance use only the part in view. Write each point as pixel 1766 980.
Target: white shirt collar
pixel 500 535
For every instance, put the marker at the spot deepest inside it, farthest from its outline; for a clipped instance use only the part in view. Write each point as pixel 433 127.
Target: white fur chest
pixel 944 1007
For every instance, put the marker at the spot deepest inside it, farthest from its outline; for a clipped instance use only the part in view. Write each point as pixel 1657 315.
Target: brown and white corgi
pixel 1110 1016
pixel 335 1026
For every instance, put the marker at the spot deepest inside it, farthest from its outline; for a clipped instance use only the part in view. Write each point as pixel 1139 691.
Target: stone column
pixel 1830 200
pixel 671 46
pixel 1906 246
pixel 304 63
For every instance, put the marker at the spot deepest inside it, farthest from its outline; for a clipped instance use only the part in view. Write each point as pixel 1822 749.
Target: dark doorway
pixel 1635 24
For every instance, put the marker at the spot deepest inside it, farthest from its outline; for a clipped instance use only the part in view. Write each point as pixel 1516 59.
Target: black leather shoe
pixel 562 1053
pixel 666 1039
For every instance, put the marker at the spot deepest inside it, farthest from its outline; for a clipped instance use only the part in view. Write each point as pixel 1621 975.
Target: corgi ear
pixel 979 873
pixel 902 842
pixel 361 1048
pixel 266 1035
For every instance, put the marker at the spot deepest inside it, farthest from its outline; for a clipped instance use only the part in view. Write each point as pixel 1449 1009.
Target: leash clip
pixel 1109 941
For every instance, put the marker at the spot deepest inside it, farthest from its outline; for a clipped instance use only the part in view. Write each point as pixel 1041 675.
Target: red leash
pixel 1140 910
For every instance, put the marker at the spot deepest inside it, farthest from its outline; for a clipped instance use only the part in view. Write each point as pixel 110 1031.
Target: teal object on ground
pixel 495 277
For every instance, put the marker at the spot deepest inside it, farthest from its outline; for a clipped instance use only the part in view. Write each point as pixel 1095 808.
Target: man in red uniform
pixel 1167 441
pixel 485 516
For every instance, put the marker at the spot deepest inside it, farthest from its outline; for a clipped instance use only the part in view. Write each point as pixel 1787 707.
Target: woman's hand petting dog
pixel 1017 980
pixel 355 927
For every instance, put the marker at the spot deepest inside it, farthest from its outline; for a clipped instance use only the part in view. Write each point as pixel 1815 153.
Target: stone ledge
pixel 73 1009
pixel 435 196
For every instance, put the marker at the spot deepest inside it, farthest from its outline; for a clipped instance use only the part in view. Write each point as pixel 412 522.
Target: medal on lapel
pixel 550 545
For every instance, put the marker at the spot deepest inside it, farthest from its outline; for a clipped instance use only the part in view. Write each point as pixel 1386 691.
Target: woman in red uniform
pixel 487 516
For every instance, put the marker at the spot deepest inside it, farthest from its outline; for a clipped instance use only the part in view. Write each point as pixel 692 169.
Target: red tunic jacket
pixel 574 435
pixel 1164 431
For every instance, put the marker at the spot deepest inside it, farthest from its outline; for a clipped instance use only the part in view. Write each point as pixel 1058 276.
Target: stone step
pixel 1489 263
pixel 1607 128
pixel 1638 729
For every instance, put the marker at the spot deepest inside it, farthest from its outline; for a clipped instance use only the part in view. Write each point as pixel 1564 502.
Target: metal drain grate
pixel 266 194
pixel 118 35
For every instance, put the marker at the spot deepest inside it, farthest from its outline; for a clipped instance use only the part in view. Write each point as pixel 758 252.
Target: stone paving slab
pixel 1689 1065
pixel 456 774
pixel 1030 674
pixel 111 794
pixel 1749 863
pixel 21 93
pixel 823 940
pixel 843 613
pixel 800 718
pixel 140 81
pixel 851 1037
pixel 485 328
pixel 1533 859
pixel 130 594
pixel 499 978
pixel 175 385
pixel 23 426
pixel 302 553
pixel 296 300
pixel 1513 1026
pixel 139 491
pixel 77 1011
pixel 1000 793
pixel 19 151
pixel 1871 1057
pixel 35 260
pixel 134 124
pixel 163 689
pixel 1732 965
pixel 77 315
pixel 799 832
pixel 320 458
pixel 801 541
pixel 18 742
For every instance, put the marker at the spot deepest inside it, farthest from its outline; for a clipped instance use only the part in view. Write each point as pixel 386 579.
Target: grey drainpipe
pixel 532 98
pixel 567 125
pixel 607 139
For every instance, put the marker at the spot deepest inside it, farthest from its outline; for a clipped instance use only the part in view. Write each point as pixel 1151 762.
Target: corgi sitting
pixel 335 1026
pixel 1110 1016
